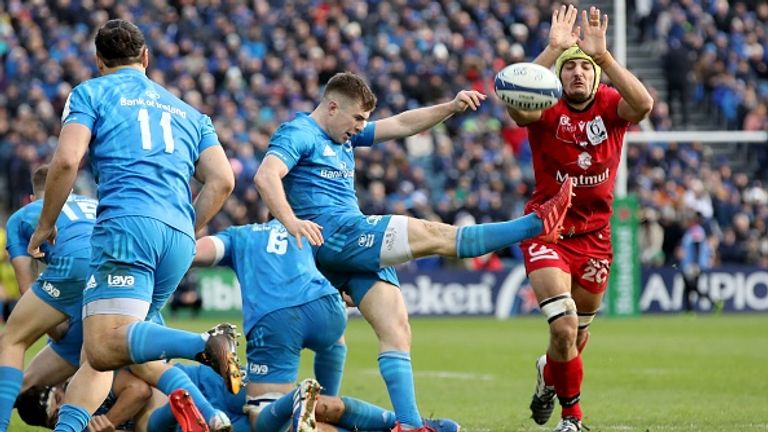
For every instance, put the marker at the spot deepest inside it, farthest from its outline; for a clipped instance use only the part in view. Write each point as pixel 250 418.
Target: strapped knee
pixel 585 319
pixel 557 307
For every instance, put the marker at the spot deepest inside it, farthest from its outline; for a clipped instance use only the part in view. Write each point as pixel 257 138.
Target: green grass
pixel 677 373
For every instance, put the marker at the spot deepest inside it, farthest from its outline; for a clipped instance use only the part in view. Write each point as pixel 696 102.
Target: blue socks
pixel 10 385
pixel 175 378
pixel 395 367
pixel 361 415
pixel 162 420
pixel 476 240
pixel 72 418
pixel 277 414
pixel 149 341
pixel 329 368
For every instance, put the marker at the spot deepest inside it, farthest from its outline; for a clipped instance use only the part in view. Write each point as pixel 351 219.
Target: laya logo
pixel 51 290
pixel 258 369
pixel 120 280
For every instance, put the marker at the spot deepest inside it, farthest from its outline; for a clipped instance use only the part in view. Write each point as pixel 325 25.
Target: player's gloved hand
pixel 303 228
pixel 562 35
pixel 41 235
pixel 467 99
pixel 101 423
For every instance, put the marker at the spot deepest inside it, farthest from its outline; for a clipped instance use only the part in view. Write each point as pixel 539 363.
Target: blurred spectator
pixel 677 70
pixel 187 296
pixel 696 257
pixel 651 238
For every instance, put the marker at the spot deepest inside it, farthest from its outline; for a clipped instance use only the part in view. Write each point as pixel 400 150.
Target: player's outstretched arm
pixel 215 172
pixel 636 102
pixel 62 172
pixel 417 120
pixel 132 394
pixel 269 182
pixel 206 252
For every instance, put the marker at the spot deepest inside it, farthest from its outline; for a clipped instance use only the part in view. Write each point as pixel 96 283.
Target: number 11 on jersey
pixel 146 133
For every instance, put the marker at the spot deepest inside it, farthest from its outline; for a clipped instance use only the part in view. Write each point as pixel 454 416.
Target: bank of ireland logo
pixel 584 160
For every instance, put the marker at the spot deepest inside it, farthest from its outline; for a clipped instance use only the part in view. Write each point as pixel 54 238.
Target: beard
pixel 577 98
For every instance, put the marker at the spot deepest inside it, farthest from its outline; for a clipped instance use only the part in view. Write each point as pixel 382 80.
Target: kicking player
pixel 144 145
pixel 56 295
pixel 307 181
pixel 580 136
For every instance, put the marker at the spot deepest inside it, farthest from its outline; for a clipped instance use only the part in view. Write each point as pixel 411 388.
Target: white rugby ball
pixel 528 87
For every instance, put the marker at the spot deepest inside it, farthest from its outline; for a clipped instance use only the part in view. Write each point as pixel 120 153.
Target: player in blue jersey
pixel 280 284
pixel 144 145
pixel 307 181
pixel 53 297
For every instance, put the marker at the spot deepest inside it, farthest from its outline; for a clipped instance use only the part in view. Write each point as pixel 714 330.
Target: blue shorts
pixel 61 285
pixel 274 344
pixel 69 346
pixel 135 259
pixel 350 254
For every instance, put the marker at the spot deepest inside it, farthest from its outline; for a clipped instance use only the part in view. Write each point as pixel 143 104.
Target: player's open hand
pixel 594 42
pixel 101 423
pixel 40 236
pixel 303 228
pixel 562 34
pixel 468 99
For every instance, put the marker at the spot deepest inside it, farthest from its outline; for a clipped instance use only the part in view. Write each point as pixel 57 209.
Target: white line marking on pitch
pixel 465 376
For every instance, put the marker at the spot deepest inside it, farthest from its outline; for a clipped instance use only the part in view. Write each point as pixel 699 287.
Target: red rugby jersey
pixel 585 145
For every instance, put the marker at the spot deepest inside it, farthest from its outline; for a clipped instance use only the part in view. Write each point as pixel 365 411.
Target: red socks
pixel 566 377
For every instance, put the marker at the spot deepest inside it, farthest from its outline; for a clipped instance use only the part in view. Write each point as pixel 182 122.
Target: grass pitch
pixel 657 373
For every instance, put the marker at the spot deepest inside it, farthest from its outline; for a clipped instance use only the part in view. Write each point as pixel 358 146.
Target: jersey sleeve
pixel 19 233
pixel 365 137
pixel 226 239
pixel 208 137
pixel 79 108
pixel 289 144
pixel 610 104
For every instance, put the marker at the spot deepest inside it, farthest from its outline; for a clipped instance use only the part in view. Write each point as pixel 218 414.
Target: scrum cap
pixel 574 53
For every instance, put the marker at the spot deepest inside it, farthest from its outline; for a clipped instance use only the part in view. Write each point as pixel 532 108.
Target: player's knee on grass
pixel 560 311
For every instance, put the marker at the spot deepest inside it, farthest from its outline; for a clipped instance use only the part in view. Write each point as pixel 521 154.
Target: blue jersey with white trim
pixel 144 146
pixel 321 177
pixel 73 226
pixel 273 272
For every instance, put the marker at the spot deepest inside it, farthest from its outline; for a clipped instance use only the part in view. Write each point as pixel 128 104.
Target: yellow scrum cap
pixel 574 53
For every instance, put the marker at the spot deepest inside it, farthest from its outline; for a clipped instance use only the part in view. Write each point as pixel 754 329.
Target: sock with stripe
pixel 329 368
pixel 148 341
pixel 567 377
pixel 361 415
pixel 10 386
pixel 276 414
pixel 476 240
pixel 72 418
pixel 175 378
pixel 395 367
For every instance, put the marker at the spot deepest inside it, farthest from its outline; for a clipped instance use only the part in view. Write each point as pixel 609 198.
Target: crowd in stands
pixel 251 65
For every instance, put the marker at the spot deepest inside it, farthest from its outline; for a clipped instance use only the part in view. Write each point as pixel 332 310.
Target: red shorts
pixel 586 257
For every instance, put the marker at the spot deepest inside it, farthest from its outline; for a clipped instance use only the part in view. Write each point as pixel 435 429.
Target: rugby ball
pixel 528 87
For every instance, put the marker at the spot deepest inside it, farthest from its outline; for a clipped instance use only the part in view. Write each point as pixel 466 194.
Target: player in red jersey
pixel 581 136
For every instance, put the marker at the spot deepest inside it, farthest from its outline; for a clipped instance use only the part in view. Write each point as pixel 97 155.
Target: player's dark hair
pixel 32 406
pixel 353 87
pixel 38 179
pixel 119 43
